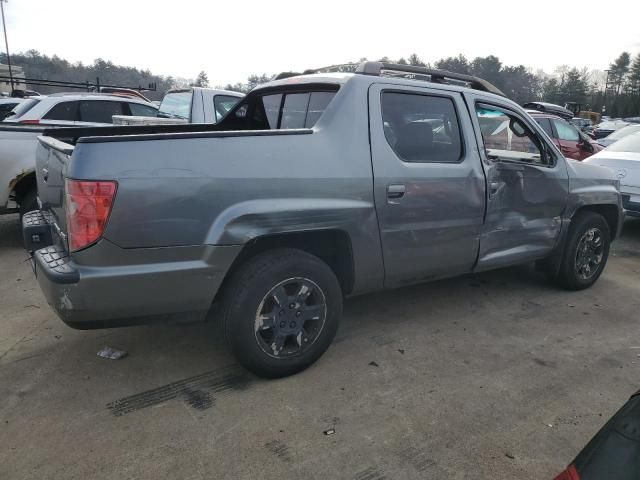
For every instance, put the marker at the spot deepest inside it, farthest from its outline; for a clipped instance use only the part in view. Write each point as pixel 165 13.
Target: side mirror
pixel 585 145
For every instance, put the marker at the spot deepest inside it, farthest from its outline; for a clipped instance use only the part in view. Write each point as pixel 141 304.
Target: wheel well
pixel 331 246
pixel 609 212
pixel 24 184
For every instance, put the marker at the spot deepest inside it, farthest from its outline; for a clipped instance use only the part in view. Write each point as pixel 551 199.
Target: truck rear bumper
pixel 138 286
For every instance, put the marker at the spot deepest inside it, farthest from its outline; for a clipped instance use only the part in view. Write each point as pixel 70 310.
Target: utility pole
pixel 6 42
pixel 604 97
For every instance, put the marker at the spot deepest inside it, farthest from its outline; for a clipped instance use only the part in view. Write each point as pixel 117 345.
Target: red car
pixel 572 142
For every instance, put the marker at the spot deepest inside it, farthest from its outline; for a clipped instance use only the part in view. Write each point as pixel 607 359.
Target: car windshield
pixel 22 108
pixel 176 105
pixel 623 132
pixel 630 143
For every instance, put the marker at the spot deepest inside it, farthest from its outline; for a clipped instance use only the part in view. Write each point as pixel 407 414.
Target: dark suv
pixel 572 142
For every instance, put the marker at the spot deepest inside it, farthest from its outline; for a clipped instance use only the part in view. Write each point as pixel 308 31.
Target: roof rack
pixel 414 72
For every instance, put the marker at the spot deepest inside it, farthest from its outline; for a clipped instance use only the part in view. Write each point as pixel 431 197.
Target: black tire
pixel 28 202
pixel 253 289
pixel 571 276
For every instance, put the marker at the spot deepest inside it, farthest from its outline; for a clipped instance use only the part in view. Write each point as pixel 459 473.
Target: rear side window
pixel 99 111
pixel 546 126
pixel 67 111
pixel 421 128
pixel 139 110
pixel 566 131
pixel 278 111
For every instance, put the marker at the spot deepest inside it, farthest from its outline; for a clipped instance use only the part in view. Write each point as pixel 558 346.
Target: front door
pixel 429 186
pixel 527 186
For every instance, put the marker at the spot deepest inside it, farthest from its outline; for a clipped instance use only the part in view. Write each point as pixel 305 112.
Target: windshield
pixel 611 125
pixel 176 105
pixel 623 132
pixel 630 143
pixel 22 108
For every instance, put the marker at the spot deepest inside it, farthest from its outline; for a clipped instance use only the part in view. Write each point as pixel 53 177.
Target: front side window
pixel 506 137
pixel 99 111
pixel 546 126
pixel 421 128
pixel 66 111
pixel 566 131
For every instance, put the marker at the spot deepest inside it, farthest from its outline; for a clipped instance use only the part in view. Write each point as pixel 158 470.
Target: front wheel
pixel 281 312
pixel 586 251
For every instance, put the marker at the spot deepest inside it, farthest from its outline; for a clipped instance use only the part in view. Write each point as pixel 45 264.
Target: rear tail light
pixel 569 474
pixel 88 208
pixel 30 122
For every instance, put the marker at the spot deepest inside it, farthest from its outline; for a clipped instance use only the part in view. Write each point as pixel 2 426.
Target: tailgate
pixel 52 158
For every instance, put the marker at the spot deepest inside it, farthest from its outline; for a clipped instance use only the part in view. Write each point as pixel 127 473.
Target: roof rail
pixel 415 72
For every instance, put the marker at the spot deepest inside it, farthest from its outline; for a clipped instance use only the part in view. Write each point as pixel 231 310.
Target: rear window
pixel 66 111
pixel 176 105
pixel 282 110
pixel 22 108
pixel 223 104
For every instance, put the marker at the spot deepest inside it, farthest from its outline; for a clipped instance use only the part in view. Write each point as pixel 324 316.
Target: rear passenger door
pixel 429 186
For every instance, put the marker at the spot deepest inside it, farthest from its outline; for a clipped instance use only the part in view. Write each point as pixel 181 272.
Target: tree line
pixel 618 89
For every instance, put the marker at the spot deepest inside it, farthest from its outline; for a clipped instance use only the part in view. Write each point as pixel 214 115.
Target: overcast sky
pixel 230 40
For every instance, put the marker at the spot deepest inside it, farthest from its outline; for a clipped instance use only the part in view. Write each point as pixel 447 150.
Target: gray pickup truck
pixel 311 189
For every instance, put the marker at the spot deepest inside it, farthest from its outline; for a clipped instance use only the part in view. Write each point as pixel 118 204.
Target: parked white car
pixel 19 132
pixel 69 109
pixel 623 157
pixel 188 105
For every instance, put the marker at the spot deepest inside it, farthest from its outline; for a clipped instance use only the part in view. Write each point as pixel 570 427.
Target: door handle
pixel 45 174
pixel 395 191
pixel 494 187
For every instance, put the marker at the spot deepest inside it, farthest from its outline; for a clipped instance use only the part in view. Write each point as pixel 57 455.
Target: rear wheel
pixel 281 311
pixel 586 251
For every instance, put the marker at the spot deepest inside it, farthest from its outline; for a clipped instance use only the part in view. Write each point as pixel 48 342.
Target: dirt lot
pixel 495 376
